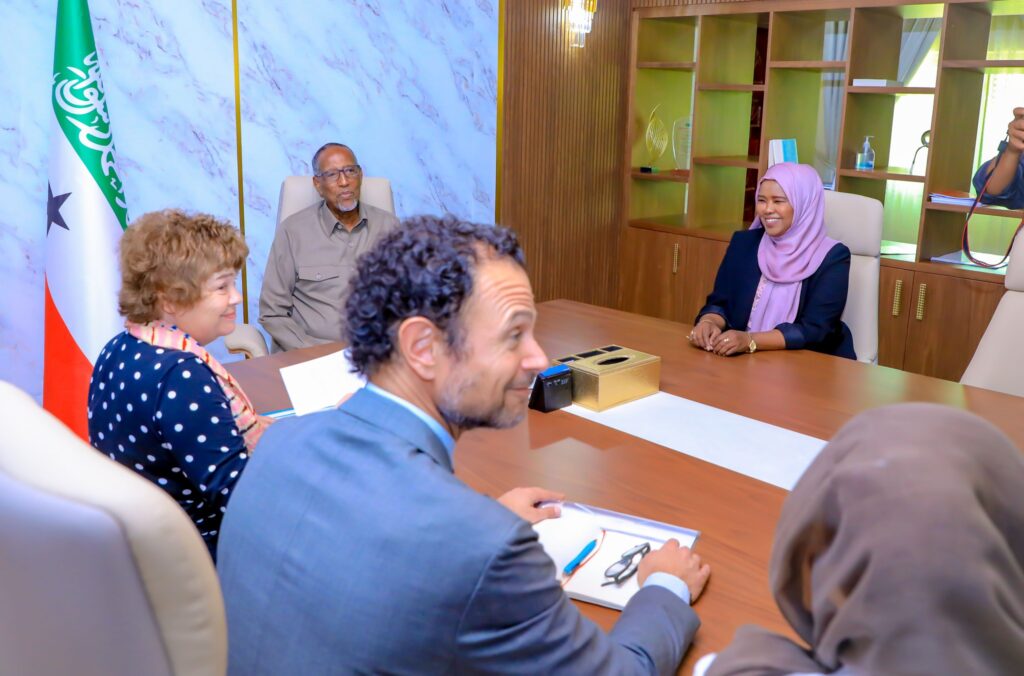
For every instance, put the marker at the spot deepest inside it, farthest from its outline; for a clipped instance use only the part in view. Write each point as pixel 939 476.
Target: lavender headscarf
pixel 787 260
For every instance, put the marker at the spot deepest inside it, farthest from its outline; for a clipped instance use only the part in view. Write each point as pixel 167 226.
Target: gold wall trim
pixel 238 150
pixel 500 112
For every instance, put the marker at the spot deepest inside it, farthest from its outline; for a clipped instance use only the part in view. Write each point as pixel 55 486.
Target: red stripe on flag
pixel 66 373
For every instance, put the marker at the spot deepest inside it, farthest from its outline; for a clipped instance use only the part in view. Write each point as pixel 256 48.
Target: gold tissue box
pixel 612 375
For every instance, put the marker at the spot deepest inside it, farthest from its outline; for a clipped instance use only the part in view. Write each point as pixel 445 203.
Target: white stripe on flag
pixel 81 262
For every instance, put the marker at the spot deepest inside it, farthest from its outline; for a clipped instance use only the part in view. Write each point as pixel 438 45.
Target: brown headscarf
pixel 899 551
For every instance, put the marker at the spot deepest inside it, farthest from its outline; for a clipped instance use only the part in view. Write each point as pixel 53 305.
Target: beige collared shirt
pixel 311 262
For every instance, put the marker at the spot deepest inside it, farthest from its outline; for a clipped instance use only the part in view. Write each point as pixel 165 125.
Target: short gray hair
pixel 330 144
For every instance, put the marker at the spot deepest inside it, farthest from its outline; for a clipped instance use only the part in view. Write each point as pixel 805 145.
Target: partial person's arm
pixel 1006 187
pixel 520 621
pixel 276 300
pixel 719 300
pixel 740 342
pixel 711 320
pixel 824 304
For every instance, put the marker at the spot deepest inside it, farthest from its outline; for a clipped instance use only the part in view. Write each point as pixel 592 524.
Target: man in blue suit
pixel 351 547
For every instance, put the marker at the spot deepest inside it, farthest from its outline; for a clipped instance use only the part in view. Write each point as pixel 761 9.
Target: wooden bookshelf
pixel 986 65
pixel 666 65
pixel 891 90
pixel 725 87
pixel 674 175
pixel 745 161
pixel 1015 214
pixel 883 174
pixel 747 73
pixel 808 65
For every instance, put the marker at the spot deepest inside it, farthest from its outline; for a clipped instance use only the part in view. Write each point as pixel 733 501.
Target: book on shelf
pixel 586 540
pixel 782 150
pixel 875 82
pixel 957 197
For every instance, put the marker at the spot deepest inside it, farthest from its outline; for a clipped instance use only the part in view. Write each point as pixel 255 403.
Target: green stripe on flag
pixel 79 101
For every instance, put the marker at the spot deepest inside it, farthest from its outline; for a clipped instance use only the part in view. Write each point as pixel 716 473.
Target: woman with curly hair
pixel 159 403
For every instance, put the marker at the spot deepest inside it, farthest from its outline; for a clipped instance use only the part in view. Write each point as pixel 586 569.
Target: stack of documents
pixel 566 537
pixel 958 197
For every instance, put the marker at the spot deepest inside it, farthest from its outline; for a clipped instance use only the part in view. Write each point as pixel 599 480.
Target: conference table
pixel 803 391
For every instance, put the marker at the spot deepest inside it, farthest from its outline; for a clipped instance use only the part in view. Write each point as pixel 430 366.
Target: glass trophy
pixel 655 139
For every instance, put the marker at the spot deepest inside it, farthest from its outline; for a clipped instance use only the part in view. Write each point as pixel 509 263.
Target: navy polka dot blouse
pixel 162 413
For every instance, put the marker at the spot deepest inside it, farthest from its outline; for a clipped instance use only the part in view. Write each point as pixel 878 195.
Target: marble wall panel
pixel 411 85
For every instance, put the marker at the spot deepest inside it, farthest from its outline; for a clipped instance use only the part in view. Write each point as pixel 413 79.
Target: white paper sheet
pixel 759 450
pixel 320 383
pixel 563 538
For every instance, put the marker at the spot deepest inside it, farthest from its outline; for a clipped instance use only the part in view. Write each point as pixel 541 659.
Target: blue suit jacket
pixel 1012 197
pixel 351 547
pixel 817 325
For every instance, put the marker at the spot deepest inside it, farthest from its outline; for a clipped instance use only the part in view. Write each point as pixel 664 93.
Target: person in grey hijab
pixel 899 551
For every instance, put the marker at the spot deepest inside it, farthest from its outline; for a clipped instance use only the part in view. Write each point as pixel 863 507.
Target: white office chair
pixel 856 221
pixel 297 193
pixel 996 364
pixel 101 572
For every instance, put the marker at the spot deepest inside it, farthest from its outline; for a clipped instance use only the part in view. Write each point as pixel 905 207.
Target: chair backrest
pixel 856 221
pixel 101 572
pixel 297 193
pixel 995 365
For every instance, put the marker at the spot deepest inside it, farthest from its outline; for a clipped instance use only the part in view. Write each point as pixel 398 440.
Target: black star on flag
pixel 53 205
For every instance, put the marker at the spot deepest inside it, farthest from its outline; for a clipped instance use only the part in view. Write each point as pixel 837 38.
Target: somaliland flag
pixel 85 216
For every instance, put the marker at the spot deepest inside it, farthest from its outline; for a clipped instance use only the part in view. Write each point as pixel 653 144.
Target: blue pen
pixel 575 563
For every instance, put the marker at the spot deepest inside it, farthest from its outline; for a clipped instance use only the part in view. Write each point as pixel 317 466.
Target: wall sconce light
pixel 579 18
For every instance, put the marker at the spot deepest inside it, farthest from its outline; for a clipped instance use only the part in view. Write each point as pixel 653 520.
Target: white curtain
pixel 830 108
pixel 918 37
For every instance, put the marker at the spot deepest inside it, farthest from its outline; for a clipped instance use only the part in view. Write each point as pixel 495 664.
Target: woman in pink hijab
pixel 782 283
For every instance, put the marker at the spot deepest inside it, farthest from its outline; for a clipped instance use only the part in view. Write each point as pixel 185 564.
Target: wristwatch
pixel 752 348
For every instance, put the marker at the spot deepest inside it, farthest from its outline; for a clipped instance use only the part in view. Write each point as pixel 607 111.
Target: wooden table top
pixel 804 391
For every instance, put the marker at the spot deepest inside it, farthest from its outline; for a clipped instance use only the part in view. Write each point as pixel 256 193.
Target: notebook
pixel 566 537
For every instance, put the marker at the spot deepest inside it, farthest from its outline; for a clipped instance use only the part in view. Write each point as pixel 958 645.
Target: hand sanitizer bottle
pixel 866 156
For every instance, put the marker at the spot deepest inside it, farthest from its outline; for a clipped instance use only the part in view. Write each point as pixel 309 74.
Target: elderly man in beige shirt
pixel 314 254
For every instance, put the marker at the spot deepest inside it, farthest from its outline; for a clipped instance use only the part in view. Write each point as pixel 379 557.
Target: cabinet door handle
pixel 675 258
pixel 897 298
pixel 921 291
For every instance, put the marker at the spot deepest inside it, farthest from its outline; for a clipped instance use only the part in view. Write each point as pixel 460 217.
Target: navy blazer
pixel 351 547
pixel 817 325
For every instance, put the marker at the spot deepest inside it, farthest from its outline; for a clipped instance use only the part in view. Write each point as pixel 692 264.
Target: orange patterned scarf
pixel 171 337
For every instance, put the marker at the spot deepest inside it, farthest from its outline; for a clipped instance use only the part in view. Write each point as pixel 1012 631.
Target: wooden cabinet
pixel 667 275
pixel 649 278
pixel 931 323
pixel 703 256
pixel 895 287
pixel 948 318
